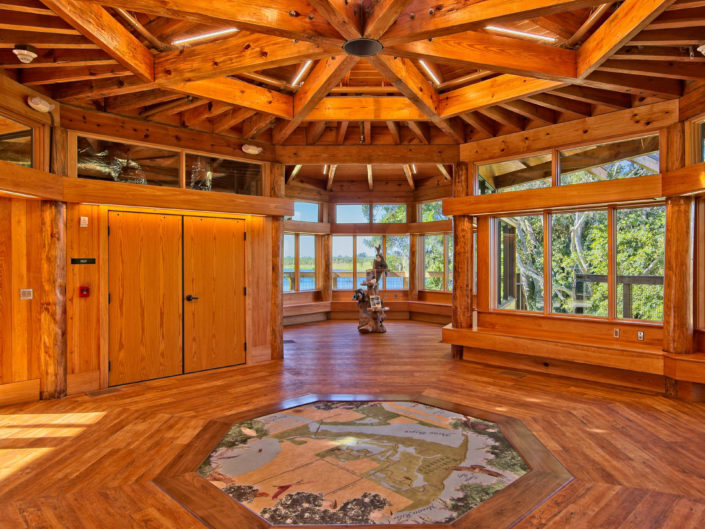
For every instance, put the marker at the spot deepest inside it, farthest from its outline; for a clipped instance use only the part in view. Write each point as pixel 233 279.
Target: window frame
pixel 356 276
pixel 297 263
pixel 447 273
pixel 73 136
pixel 548 269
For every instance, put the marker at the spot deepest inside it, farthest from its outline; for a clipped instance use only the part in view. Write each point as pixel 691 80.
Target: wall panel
pixel 20 258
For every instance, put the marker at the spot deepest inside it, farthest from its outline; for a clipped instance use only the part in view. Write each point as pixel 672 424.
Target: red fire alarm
pixel 84 292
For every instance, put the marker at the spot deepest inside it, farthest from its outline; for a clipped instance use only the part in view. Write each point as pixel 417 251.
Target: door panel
pixel 214 272
pixel 145 311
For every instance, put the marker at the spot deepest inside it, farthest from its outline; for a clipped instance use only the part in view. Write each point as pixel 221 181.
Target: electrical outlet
pixel 640 335
pixel 26 294
pixel 616 333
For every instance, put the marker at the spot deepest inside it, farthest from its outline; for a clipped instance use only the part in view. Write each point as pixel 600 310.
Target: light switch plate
pixel 26 293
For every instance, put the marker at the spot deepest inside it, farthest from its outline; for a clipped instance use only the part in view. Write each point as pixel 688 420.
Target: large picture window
pixel 299 260
pixel 580 263
pixel 438 262
pixel 353 255
pixel 519 263
pixel 641 235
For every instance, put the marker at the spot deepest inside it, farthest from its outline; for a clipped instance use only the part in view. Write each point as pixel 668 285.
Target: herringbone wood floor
pixel 88 461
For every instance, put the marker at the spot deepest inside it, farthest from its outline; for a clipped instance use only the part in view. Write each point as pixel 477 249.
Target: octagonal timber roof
pixel 274 70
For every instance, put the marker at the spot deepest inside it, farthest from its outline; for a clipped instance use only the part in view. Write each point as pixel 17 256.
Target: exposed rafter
pixel 325 75
pixel 245 52
pixel 493 52
pixel 238 92
pixel 271 18
pixel 629 19
pixel 100 27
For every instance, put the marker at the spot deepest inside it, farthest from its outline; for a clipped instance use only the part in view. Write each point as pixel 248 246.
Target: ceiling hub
pixel 362 47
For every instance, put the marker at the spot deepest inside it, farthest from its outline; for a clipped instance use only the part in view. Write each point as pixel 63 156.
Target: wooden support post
pixel 53 360
pixel 277 177
pixel 678 282
pixel 679 279
pixel 326 267
pixel 463 258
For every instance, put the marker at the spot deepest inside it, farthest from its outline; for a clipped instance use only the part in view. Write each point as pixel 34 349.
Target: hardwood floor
pixel 88 461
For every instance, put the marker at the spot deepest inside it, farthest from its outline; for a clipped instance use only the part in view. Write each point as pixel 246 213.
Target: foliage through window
pixel 641 240
pixel 388 213
pixel 438 262
pixel 520 174
pixel 610 161
pixel 432 211
pixel 520 267
pixel 15 142
pixel 579 263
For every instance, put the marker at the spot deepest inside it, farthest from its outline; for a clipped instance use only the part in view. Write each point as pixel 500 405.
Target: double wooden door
pixel 176 294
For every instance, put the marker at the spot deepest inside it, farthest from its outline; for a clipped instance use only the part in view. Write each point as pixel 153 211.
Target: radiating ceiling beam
pixel 99 26
pixel 293 19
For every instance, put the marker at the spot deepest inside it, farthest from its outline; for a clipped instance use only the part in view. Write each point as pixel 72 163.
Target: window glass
pixel 226 176
pixel 641 234
pixel 388 213
pixel 342 262
pixel 122 162
pixel 289 260
pixel 397 257
pixel 352 214
pixel 516 175
pixel 520 263
pixel 432 211
pixel 433 262
pixel 305 212
pixel 610 161
pixel 579 263
pixel 15 142
pixel 365 256
pixel 307 262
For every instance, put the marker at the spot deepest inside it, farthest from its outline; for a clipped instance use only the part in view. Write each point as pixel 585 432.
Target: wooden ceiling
pixel 120 56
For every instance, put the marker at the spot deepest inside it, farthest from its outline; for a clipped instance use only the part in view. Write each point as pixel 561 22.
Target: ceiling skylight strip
pixel 516 33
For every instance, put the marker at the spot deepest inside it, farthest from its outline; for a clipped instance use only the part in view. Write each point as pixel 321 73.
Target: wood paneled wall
pixel 87 317
pixel 20 321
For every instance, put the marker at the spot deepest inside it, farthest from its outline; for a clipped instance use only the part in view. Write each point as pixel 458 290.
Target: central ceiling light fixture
pixel 362 47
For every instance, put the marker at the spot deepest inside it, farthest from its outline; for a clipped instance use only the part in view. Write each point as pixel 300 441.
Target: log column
pixel 679 274
pixel 277 179
pixel 53 361
pixel 462 262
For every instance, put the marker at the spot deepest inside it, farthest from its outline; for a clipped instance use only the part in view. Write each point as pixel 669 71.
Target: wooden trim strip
pixel 593 194
pixel 613 125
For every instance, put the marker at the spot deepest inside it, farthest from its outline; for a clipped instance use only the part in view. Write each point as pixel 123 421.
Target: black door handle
pixel 191 298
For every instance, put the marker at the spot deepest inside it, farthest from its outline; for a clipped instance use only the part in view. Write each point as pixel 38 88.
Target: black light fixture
pixel 362 47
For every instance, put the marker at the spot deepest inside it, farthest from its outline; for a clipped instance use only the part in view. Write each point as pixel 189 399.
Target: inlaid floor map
pixel 363 463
